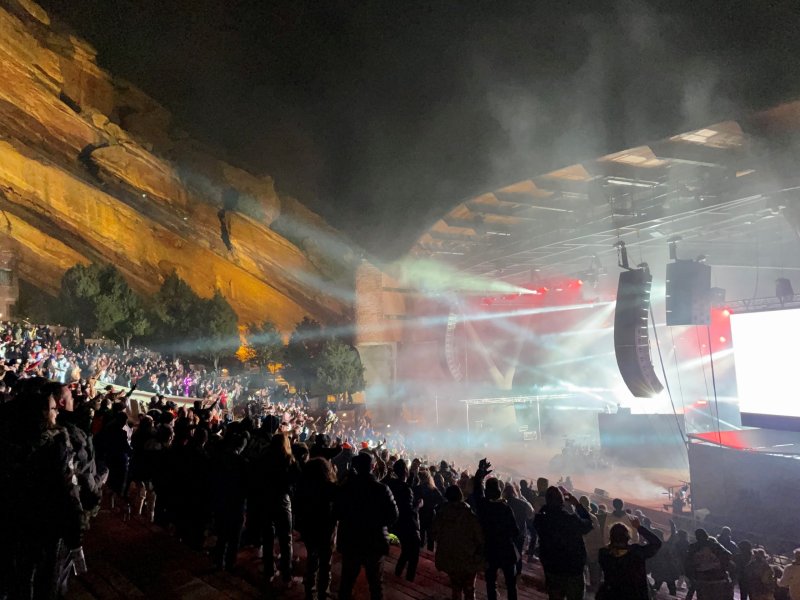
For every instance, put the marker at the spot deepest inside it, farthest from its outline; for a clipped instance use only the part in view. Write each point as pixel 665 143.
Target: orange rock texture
pixel 91 169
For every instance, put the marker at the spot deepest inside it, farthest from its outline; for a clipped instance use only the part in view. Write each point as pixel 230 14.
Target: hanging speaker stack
pixel 688 293
pixel 631 335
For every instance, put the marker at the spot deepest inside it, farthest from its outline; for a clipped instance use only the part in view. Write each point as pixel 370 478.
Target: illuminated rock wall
pixel 91 169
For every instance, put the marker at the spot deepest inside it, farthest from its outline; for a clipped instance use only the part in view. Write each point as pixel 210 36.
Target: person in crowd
pixel 341 461
pixel 115 450
pixel 430 498
pixel 90 481
pixel 364 509
pixel 618 515
pixel 40 489
pixel 539 500
pixel 499 531
pixel 759 576
pixel 315 521
pixel 228 480
pixel 523 512
pixel 706 566
pixel 678 549
pixel 141 488
pixel 561 548
pixel 445 477
pixel 406 528
pixel 191 503
pixel 624 563
pixel 781 593
pixel 459 544
pixel 791 577
pixel 527 492
pixel 281 472
pixel 663 566
pixel 739 562
pixel 593 540
pixel 725 540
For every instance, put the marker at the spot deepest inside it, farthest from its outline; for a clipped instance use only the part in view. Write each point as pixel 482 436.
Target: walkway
pixel 134 559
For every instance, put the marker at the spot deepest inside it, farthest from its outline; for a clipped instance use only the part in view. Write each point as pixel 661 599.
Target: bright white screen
pixel 767 365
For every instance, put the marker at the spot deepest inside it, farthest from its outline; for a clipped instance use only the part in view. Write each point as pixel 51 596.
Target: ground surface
pixel 133 559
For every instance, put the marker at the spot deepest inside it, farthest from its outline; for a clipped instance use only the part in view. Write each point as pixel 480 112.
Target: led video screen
pixel 767 367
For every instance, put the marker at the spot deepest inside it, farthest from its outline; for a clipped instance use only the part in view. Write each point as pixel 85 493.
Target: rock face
pixel 91 169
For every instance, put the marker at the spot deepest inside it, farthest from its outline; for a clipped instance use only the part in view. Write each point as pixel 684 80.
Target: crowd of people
pixel 218 480
pixel 61 354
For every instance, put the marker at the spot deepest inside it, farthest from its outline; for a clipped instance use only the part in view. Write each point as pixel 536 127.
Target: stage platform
pixel 749 479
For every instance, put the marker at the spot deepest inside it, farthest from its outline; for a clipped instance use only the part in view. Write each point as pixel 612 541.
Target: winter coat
pixel 365 509
pixel 39 492
pixel 499 531
pixel 625 570
pixel 561 547
pixel 791 579
pixel 313 510
pixel 431 500
pixel 342 463
pixel 228 479
pixel 523 512
pixel 663 565
pixel 407 523
pixel 593 540
pixel 760 580
pixel 116 453
pixel 707 561
pixel 618 516
pixel 459 539
pixel 89 482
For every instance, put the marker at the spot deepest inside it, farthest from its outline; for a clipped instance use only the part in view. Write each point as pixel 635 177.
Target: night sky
pixel 382 115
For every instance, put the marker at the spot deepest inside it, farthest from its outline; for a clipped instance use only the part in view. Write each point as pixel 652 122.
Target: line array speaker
pixel 631 335
pixel 688 293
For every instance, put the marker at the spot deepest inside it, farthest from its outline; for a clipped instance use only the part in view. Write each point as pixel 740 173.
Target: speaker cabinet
pixel 688 293
pixel 631 335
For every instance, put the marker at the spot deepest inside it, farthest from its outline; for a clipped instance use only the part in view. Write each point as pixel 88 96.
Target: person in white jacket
pixel 791 577
pixel 618 516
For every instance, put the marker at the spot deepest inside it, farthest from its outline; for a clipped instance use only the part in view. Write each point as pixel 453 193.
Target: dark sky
pixel 382 115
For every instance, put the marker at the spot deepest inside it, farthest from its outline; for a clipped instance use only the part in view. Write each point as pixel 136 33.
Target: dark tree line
pixel 175 320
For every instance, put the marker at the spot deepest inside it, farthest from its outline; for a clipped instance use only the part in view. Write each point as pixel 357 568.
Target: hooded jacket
pixel 561 547
pixel 614 517
pixel 407 523
pixel 706 560
pixel 625 569
pixel 459 539
pixel 365 509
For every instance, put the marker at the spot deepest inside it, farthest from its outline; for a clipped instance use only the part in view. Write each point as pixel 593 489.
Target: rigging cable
pixel 666 382
pixel 714 383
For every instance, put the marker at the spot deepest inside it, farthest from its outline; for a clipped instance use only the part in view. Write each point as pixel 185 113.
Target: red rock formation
pixel 92 170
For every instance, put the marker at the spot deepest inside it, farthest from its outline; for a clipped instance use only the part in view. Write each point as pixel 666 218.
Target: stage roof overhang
pixel 727 185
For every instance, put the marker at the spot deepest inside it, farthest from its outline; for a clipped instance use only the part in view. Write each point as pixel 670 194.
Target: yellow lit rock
pixel 91 170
